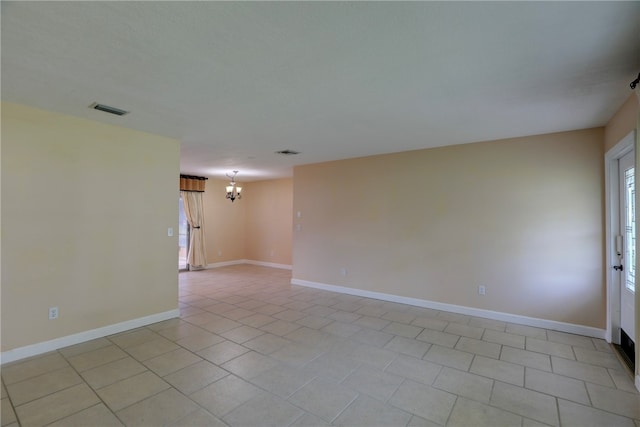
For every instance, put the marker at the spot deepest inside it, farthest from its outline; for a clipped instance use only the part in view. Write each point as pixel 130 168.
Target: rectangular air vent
pixel 108 109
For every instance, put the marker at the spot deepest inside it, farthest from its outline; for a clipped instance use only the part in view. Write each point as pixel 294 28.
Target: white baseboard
pixel 638 382
pixel 252 262
pixel 269 264
pixel 46 346
pixel 470 311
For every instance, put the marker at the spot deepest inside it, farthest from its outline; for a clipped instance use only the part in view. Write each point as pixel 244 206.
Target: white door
pixel 627 244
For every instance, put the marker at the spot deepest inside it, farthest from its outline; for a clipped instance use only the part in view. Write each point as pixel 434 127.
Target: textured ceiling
pixel 237 81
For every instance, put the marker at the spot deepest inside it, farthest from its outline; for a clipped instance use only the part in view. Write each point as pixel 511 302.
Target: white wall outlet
pixel 170 232
pixel 343 272
pixel 481 290
pixel 53 313
pixel 219 252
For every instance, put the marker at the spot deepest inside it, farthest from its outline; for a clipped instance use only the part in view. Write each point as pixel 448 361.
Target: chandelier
pixel 233 191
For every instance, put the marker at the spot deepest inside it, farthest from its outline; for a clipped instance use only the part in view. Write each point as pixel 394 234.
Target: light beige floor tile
pixel 430 323
pixel 556 385
pixel 319 310
pixel 7 415
pixel 323 399
pixel 454 317
pixel 512 340
pixel 622 380
pixel 196 376
pixel 135 337
pixel 263 410
pixel 223 396
pixel 221 325
pixel 343 316
pixel 171 361
pixel 95 358
pixel 575 415
pixel 238 313
pixel 601 345
pixel 97 415
pixel 399 316
pixel 314 322
pixel 526 358
pixel 310 420
pixel 198 418
pixel 22 370
pixel 483 348
pixel 449 357
pixel 298 305
pixel 417 421
pixel 4 391
pixel 496 325
pixel 372 356
pixel 372 337
pixel 74 350
pixel 340 329
pixel 242 334
pixel 414 369
pixel 112 372
pixel 283 380
pixel 464 384
pixel 152 349
pixel 332 366
pixel 166 324
pixel 296 354
pixel 267 343
pixel 528 422
pixel 528 403
pixel 616 401
pixel 464 330
pixel 249 365
pixel 280 327
pixel 42 385
pixel 571 339
pixel 180 331
pixel 468 413
pixel 187 312
pixel 498 370
pixel 223 352
pixel 373 382
pixel 250 304
pixel 599 358
pixel 200 340
pixel 314 338
pixel 425 401
pixel 368 412
pixel 257 320
pixel 528 331
pixel 410 347
pixel 581 371
pixel 56 406
pixel 372 322
pixel 403 330
pixel 134 389
pixel 269 309
pixel 161 409
pixel 290 315
pixel 550 348
pixel 372 311
pixel 440 338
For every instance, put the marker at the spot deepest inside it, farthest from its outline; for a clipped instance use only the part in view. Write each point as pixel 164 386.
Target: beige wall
pixel 224 223
pixel 523 217
pixel 269 207
pixel 623 122
pixel 85 212
pixel 256 227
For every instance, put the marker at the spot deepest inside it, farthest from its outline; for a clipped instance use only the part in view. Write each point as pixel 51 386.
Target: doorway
pixel 621 247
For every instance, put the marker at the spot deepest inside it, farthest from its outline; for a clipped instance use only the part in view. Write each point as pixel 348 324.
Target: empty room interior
pixel 319 213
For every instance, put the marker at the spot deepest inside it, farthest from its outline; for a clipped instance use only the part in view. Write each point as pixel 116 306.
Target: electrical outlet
pixel 343 271
pixel 481 290
pixel 53 313
pixel 170 232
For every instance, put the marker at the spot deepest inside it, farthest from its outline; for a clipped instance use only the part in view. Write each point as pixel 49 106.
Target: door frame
pixel 612 225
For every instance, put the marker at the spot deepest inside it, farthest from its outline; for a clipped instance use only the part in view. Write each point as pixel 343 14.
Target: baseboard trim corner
pixel 470 311
pixel 54 344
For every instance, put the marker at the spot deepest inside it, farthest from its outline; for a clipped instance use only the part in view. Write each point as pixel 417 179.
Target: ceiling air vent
pixel 287 152
pixel 108 109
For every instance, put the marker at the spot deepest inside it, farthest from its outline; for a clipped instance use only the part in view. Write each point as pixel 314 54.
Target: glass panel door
pixel 183 238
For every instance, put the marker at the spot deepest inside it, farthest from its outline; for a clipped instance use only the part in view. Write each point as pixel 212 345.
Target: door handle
pixel 618 267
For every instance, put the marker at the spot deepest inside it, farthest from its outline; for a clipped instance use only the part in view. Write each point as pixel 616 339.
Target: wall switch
pixel 481 290
pixel 299 214
pixel 170 232
pixel 53 313
pixel 343 271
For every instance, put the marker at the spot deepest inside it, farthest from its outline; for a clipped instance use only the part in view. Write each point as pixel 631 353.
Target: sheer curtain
pixel 193 209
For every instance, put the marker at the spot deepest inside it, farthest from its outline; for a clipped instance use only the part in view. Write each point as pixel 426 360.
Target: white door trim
pixel 612 219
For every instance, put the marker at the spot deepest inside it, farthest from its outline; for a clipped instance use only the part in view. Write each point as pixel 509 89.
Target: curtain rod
pixel 193 177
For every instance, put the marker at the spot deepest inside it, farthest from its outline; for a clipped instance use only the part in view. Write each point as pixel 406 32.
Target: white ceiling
pixel 237 81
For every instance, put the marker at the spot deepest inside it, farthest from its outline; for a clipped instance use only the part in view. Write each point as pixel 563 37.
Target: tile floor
pixel 249 349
